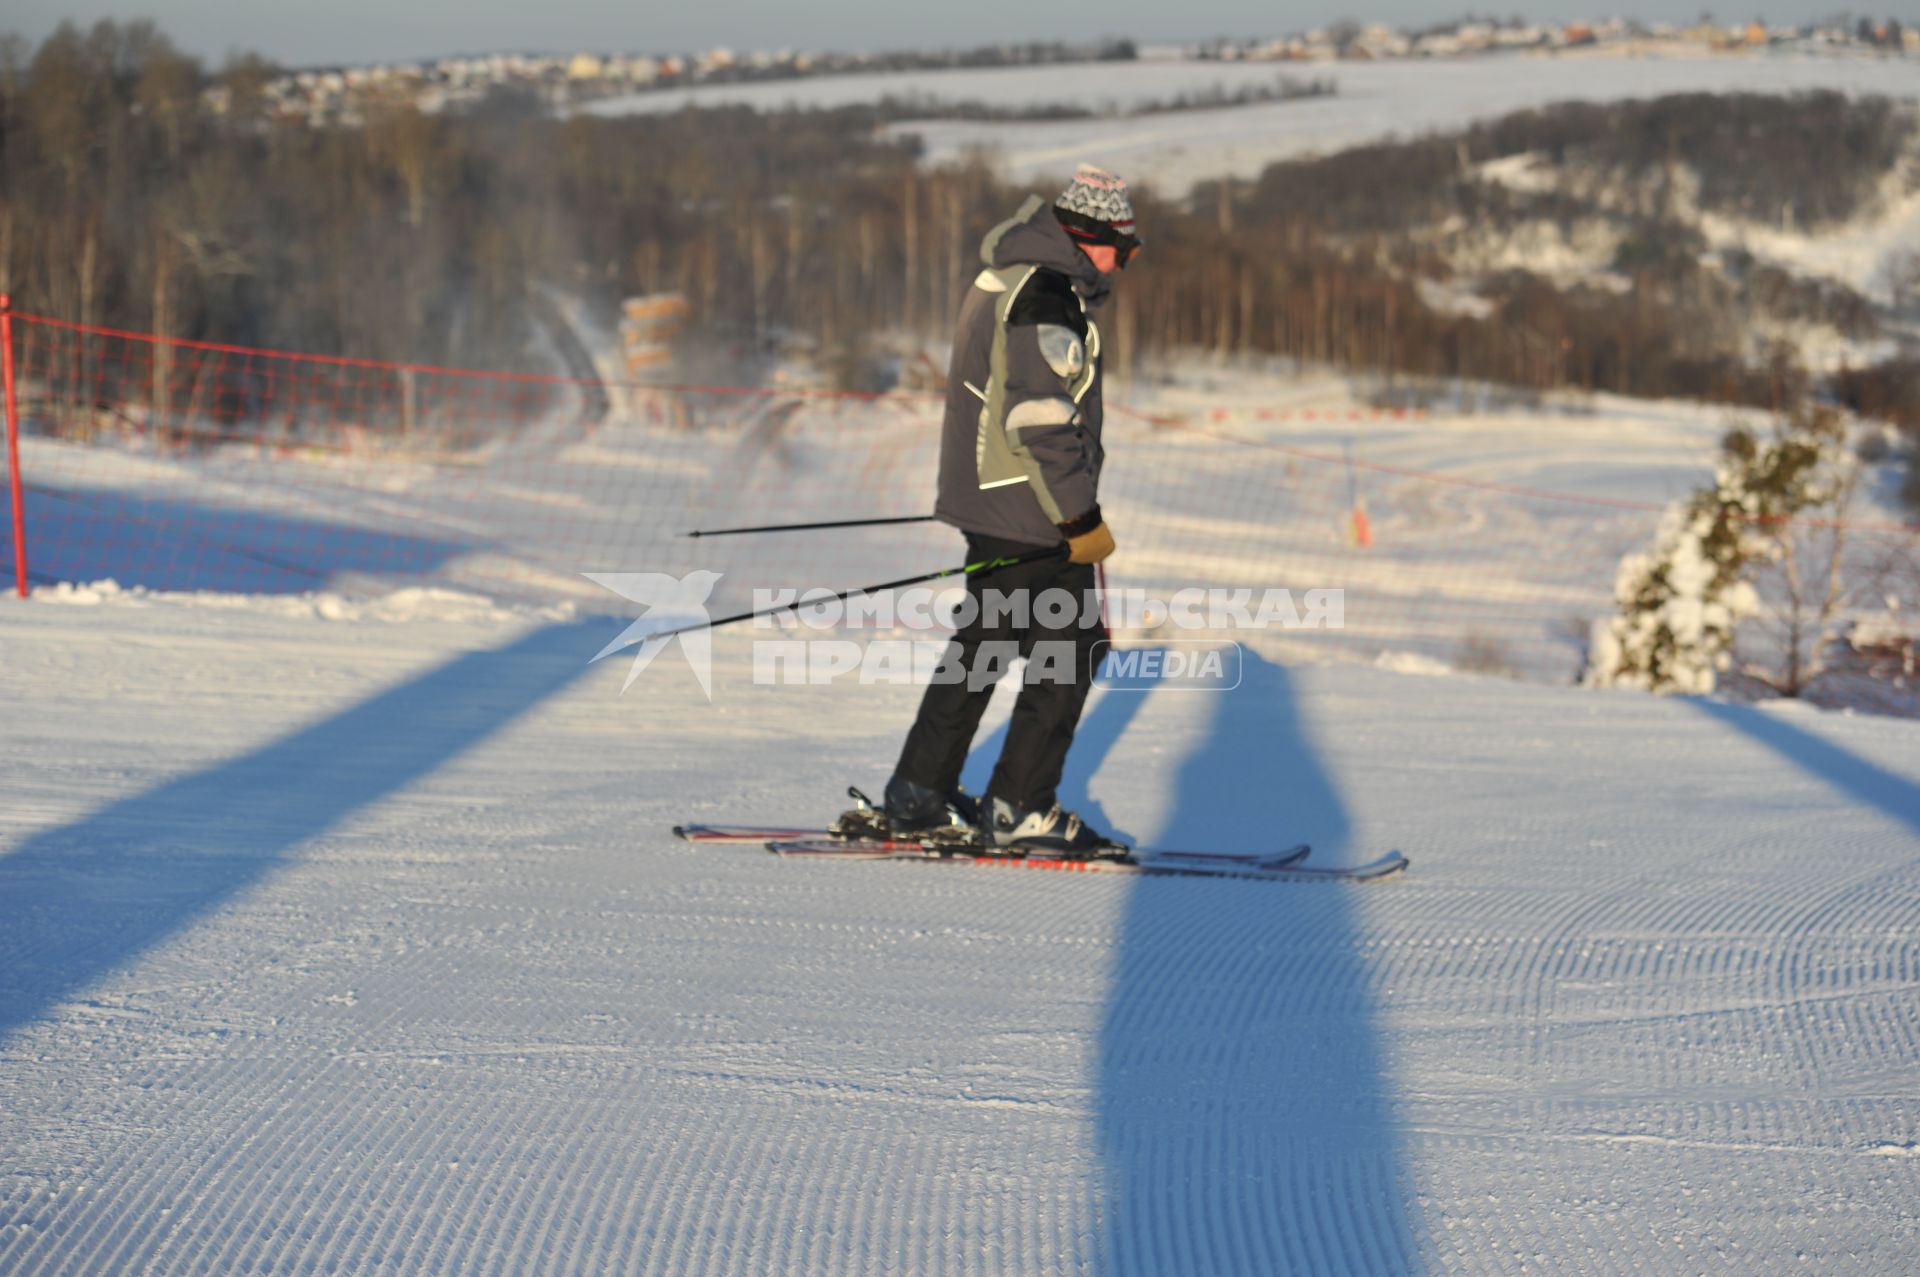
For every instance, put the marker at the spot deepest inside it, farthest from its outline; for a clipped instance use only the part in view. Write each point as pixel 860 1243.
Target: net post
pixel 13 446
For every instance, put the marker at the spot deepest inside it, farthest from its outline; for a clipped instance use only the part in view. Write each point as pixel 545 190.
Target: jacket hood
pixel 1033 237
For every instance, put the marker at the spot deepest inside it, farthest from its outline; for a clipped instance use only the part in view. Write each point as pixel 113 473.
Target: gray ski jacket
pixel 1020 445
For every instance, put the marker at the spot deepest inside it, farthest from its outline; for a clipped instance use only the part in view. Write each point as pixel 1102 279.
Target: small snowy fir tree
pixel 1680 603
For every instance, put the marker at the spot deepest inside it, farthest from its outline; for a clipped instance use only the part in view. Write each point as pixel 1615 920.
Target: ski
pixel 822 844
pixel 914 849
pixel 858 835
pixel 1283 866
pixel 757 834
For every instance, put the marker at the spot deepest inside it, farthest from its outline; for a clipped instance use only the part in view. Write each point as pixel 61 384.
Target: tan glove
pixel 1088 540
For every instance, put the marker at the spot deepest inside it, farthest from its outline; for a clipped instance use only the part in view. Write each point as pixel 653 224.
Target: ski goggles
pixel 1091 230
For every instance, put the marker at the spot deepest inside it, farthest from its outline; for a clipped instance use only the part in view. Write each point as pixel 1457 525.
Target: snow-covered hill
pixel 344 933
pixel 1375 100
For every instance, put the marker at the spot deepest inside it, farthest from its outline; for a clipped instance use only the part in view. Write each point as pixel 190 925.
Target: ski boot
pixel 1050 831
pixel 911 811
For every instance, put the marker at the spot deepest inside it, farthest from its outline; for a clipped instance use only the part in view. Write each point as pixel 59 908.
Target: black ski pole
pixel 809 527
pixel 981 568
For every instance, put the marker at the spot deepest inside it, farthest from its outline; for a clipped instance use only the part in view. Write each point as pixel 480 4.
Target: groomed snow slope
pixel 360 946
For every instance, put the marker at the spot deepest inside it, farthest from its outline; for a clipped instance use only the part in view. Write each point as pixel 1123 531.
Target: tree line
pixel 127 199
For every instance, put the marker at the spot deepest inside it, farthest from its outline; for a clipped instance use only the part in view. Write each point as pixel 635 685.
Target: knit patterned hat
pixel 1102 196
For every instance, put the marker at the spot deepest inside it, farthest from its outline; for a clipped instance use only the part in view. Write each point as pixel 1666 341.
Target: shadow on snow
pixel 169 544
pixel 1243 1108
pixel 1847 772
pixel 88 898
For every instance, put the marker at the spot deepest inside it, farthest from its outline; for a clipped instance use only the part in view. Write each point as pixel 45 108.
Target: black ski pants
pixel 1015 613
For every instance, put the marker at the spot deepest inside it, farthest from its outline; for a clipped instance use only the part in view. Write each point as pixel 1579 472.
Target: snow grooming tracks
pixel 1282 866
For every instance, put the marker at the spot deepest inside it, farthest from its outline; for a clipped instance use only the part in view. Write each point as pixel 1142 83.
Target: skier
pixel 1020 466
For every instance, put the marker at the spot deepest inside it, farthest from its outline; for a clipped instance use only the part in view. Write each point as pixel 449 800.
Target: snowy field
pixel 1375 100
pixel 359 945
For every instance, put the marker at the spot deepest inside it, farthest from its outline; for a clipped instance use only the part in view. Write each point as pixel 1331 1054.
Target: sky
pixel 358 31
